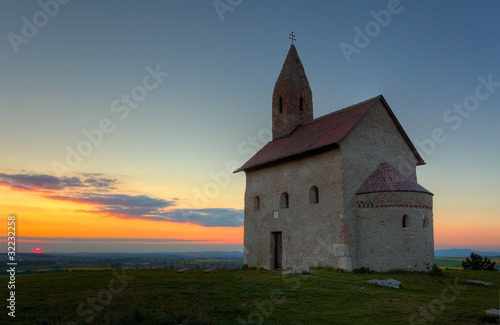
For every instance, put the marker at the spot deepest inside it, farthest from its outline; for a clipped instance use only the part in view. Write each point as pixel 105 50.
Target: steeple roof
pixel 387 178
pixel 292 74
pixel 292 97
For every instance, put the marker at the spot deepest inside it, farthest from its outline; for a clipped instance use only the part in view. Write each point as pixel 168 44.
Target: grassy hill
pixel 163 296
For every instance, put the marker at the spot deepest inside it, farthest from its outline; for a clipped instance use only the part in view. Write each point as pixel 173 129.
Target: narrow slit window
pixel 425 222
pixel 301 104
pixel 313 195
pixel 281 104
pixel 284 201
pixel 406 221
pixel 256 203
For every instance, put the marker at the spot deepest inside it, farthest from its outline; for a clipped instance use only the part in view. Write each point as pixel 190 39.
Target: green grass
pixel 252 297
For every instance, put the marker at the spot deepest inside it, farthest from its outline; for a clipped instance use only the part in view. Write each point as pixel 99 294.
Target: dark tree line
pixel 477 262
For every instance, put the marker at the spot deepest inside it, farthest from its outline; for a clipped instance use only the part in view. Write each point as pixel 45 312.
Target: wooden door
pixel 278 250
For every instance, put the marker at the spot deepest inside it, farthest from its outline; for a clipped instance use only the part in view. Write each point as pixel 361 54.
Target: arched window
pixel 301 103
pixel 313 195
pixel 284 200
pixel 406 221
pixel 281 104
pixel 425 222
pixel 256 203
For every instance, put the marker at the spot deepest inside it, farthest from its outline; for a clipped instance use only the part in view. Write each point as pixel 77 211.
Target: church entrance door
pixel 277 250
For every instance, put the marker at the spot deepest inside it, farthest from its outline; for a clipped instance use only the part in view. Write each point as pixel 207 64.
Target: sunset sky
pixel 122 121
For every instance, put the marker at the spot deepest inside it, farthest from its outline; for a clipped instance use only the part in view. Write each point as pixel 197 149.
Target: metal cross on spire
pixel 292 37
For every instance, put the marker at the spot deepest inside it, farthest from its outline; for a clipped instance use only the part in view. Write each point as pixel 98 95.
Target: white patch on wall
pixel 345 263
pixel 275 214
pixel 340 250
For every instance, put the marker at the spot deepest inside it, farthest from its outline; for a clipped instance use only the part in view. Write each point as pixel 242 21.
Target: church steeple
pixel 292 97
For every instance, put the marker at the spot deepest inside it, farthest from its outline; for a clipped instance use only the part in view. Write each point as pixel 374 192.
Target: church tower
pixel 292 97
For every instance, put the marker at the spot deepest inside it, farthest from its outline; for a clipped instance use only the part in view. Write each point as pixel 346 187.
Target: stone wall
pixel 311 232
pixel 384 242
pixel 374 140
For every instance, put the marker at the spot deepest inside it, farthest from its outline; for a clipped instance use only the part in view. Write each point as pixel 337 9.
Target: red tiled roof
pixel 323 132
pixel 387 178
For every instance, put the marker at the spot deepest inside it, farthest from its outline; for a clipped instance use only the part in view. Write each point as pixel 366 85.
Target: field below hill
pixel 162 296
pixel 456 263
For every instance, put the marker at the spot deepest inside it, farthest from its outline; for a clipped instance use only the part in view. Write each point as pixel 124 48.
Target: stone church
pixel 340 190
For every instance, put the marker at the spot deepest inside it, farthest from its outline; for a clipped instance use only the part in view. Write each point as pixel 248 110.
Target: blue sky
pixel 215 92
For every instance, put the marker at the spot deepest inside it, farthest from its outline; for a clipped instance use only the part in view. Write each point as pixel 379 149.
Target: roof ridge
pixel 343 109
pixel 321 133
